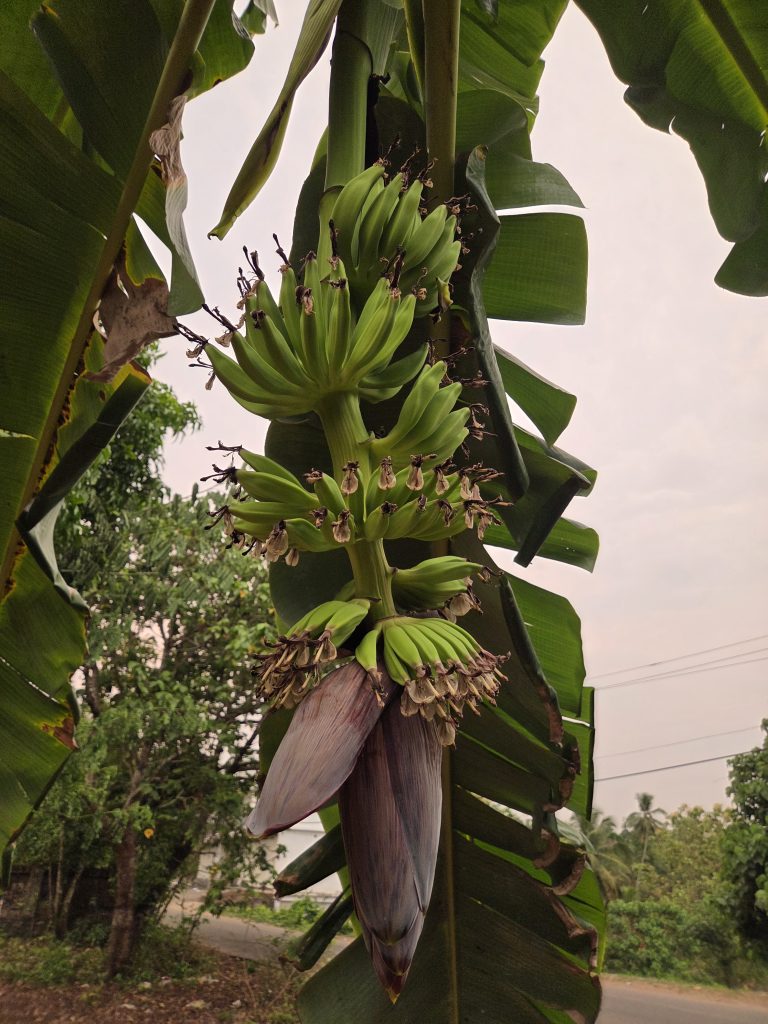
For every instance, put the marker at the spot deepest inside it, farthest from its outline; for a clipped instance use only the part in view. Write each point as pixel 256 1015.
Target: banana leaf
pixel 82 86
pixel 699 69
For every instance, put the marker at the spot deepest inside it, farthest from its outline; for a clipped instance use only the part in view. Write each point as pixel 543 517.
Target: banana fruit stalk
pixel 372 729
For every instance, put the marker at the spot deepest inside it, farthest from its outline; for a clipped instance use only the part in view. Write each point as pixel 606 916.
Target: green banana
pixel 425 388
pixel 260 371
pixel 329 493
pixel 306 537
pixel 398 374
pixel 366 341
pixel 400 641
pixel 425 238
pixel 345 620
pixel 262 300
pixel 268 488
pixel 400 326
pixel 289 306
pixel 235 379
pixel 404 221
pixel 338 336
pixel 372 225
pixel 433 418
pixel 366 652
pixel 274 346
pixel 262 464
pixel 427 652
pixel 350 202
pixel 316 620
pixel 377 522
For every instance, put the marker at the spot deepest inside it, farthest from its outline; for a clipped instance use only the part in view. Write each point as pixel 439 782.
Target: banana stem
pixel 351 68
pixel 345 432
pixel 441 76
pixel 347 438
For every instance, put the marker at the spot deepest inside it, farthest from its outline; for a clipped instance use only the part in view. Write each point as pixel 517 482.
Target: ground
pixel 240 980
pixel 233 991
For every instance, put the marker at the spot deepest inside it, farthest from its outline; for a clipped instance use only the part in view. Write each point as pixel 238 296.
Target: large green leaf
pixel 313 39
pixel 76 121
pixel 699 68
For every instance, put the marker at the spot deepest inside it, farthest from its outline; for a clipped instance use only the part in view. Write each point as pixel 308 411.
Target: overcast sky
pixel 670 372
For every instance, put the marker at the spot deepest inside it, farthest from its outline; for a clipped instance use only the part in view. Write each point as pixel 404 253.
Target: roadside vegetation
pixel 686 891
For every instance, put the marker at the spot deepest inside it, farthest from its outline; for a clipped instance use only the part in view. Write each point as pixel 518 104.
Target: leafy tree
pixel 166 760
pixel 608 853
pixel 640 828
pixel 746 841
pixel 167 757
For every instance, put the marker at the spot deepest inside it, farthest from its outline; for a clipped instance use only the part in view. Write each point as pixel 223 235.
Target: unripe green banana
pixel 404 220
pixel 306 537
pixel 262 300
pixel 313 341
pixel 329 494
pixel 268 488
pixel 346 619
pixel 366 653
pixel 289 305
pixel 399 640
pixel 338 338
pixel 260 371
pixel 427 652
pixel 443 569
pixel 397 374
pixel 448 436
pixel 374 222
pixel 349 206
pixel 406 520
pixel 397 668
pixel 425 238
pixel 426 386
pixel 378 521
pixel 398 330
pixel 244 390
pixel 369 336
pixel 270 340
pixel 262 464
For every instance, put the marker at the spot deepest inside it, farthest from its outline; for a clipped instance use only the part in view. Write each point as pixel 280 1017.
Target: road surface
pixel 641 1003
pixel 624 1002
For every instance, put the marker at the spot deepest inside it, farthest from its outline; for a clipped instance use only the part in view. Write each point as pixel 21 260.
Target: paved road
pixel 633 1002
pixel 639 1003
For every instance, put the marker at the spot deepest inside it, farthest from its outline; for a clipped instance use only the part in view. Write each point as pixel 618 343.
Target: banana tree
pixel 392 461
pixel 392 458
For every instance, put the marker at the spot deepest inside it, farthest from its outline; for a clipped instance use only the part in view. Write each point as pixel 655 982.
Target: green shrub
pixel 167 952
pixel 45 961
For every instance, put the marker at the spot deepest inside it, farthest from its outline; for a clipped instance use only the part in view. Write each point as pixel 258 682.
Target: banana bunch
pixel 440 666
pixel 428 420
pixel 311 345
pixel 297 657
pixel 444 582
pixel 377 222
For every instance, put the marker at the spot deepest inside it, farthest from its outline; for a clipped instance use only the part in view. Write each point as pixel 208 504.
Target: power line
pixel 681 657
pixel 669 767
pixel 677 674
pixel 677 743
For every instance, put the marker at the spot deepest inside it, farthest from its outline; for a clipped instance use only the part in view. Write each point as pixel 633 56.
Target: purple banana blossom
pixel 346 738
pixel 390 819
